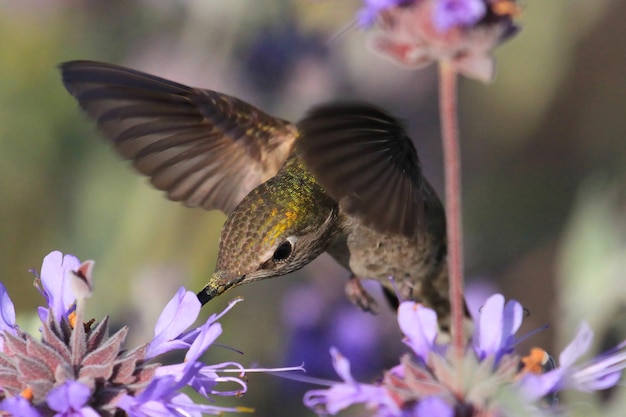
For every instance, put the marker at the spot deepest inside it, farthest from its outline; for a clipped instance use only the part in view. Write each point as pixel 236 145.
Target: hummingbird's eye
pixel 283 251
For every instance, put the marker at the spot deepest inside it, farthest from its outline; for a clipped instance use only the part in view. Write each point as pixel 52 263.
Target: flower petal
pixel 489 329
pixel 433 406
pixel 448 14
pixel 602 372
pixel 341 365
pixel 497 325
pixel 18 406
pixel 207 335
pixel 602 382
pixel 419 325
pixel 179 313
pixel 578 347
pixel 72 395
pixel 81 280
pixel 7 312
pixel 533 386
pixel 341 396
pixel 512 317
pixel 85 412
pixel 57 290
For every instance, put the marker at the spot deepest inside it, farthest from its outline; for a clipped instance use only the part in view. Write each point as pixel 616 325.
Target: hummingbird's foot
pixel 359 296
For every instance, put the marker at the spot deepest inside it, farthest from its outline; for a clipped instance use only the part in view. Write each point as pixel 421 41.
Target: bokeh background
pixel 543 169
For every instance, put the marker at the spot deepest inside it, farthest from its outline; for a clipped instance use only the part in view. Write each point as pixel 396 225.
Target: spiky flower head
pixel 86 355
pixel 415 33
pixel 80 369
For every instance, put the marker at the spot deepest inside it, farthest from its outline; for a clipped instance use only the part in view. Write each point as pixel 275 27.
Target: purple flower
pixel 18 406
pixel 343 395
pixel 452 13
pixel 162 398
pixel 55 284
pixel 79 369
pixel 179 313
pixel 7 314
pixel 433 406
pixel 70 400
pixel 205 377
pixel 491 378
pixel 496 327
pixel 419 325
pixel 600 373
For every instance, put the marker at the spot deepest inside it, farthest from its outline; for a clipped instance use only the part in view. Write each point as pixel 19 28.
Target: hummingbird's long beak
pixel 217 285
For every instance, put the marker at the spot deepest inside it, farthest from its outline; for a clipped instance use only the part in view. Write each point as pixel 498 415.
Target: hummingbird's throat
pixel 217 285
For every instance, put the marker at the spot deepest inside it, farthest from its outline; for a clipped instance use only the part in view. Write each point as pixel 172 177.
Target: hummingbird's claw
pixel 359 295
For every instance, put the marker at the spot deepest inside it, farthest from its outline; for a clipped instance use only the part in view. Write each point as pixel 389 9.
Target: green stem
pixel 452 168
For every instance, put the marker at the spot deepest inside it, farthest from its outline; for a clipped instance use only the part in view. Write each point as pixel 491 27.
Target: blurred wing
pixel 202 147
pixel 364 159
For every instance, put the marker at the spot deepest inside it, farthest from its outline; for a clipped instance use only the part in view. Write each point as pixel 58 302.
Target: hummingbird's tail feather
pixel 364 159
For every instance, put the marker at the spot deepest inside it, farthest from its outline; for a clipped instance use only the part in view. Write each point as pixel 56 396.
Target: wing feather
pixel 363 158
pixel 204 148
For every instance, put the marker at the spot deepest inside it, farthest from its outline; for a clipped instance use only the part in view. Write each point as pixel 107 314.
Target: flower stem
pixel 452 168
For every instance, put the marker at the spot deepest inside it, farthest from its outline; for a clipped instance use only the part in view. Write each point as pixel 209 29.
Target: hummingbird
pixel 346 179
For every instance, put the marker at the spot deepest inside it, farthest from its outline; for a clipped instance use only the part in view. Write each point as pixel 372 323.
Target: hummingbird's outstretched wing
pixel 202 147
pixel 363 158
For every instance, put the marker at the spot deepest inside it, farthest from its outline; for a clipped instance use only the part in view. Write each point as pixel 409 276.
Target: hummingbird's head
pixel 279 227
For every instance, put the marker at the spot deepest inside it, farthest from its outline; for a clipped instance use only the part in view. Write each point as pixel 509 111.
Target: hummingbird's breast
pixel 370 254
pixel 417 265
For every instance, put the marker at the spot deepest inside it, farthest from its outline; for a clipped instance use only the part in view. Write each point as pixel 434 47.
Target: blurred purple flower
pixel 496 327
pixel 343 395
pixel 600 373
pixel 317 322
pixel 19 406
pixel 458 13
pixel 70 400
pixel 433 406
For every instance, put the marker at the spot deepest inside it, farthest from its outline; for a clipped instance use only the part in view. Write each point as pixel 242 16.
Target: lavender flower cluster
pixel 79 369
pixel 437 381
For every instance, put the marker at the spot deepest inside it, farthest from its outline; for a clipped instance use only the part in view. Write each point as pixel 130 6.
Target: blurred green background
pixel 543 168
